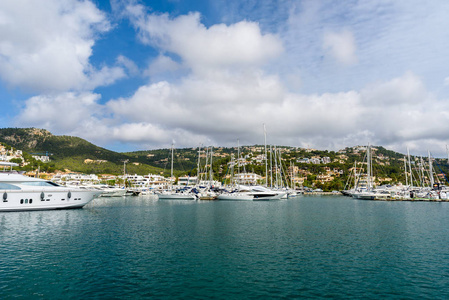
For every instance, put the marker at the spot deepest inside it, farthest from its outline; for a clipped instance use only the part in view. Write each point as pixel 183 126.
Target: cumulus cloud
pixel 161 112
pixel 148 135
pixel 341 45
pixel 62 112
pixel 329 120
pixel 239 44
pixel 407 89
pixel 161 65
pixel 46 45
pixel 130 66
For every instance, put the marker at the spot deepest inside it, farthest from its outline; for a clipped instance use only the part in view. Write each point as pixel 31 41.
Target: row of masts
pixel 420 172
pixel 419 180
pixel 277 182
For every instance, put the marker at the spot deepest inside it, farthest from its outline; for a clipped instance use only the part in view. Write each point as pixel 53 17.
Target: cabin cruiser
pixel 235 196
pixel 20 193
pixel 260 193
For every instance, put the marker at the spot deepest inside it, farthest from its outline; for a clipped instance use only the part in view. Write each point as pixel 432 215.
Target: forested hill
pixel 41 141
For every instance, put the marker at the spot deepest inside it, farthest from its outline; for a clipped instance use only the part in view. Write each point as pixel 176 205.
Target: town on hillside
pixel 285 166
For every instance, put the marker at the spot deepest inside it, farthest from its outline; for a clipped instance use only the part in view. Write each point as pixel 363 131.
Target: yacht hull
pixel 235 197
pixel 175 197
pixel 49 199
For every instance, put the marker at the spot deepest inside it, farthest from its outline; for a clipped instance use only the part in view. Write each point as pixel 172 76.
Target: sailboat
pixel 366 191
pixel 171 194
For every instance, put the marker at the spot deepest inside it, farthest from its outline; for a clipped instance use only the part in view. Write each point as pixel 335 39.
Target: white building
pixel 76 178
pixel 187 180
pixel 42 158
pixel 150 181
pixel 247 178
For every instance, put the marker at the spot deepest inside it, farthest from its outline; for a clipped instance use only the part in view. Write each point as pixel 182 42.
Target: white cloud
pixel 407 89
pixel 159 113
pixel 162 64
pixel 64 112
pixel 155 134
pixel 388 113
pixel 46 45
pixel 128 64
pixel 239 44
pixel 104 76
pixel 341 45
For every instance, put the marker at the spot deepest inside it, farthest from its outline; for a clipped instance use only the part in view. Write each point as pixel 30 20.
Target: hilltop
pixel 68 152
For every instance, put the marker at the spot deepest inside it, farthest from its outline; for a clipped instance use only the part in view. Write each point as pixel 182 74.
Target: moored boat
pixel 168 195
pixel 235 197
pixel 20 193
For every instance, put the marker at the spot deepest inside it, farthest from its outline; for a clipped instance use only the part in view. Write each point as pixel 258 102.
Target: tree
pixel 16 160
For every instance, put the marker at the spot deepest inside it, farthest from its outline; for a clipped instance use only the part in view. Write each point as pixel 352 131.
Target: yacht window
pixel 39 183
pixel 7 186
pixel 21 201
pixel 26 200
pixel 31 201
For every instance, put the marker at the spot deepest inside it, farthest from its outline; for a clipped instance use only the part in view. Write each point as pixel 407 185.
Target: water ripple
pixel 138 247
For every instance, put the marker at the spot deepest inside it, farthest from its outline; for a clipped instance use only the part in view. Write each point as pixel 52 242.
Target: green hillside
pixel 79 155
pixel 41 141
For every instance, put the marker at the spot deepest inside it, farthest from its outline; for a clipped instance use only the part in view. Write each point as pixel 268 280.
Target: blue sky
pixel 133 75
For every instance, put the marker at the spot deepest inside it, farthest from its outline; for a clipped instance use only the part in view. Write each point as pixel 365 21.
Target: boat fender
pixel 69 195
pixel 5 196
pixel 42 196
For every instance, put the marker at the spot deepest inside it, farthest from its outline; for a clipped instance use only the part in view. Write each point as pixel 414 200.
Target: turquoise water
pixel 308 247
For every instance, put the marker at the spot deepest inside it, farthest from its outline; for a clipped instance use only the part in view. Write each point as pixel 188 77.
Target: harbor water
pixel 305 247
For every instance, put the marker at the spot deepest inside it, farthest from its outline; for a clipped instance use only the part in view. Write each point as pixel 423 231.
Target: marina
pixel 224 149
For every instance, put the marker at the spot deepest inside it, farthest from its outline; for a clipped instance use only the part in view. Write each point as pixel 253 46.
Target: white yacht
pixel 261 193
pixel 176 195
pixel 110 191
pixel 20 192
pixel 235 197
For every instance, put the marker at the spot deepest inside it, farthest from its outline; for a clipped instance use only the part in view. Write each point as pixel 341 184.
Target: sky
pixel 139 75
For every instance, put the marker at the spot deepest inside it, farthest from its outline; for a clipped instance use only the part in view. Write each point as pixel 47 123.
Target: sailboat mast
pixel 368 166
pixel 410 167
pixel 210 170
pixel 422 172
pixel 266 158
pixel 198 167
pixel 238 157
pixel 276 166
pixel 292 173
pixel 405 171
pixel 430 171
pixel 271 166
pixel 171 168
